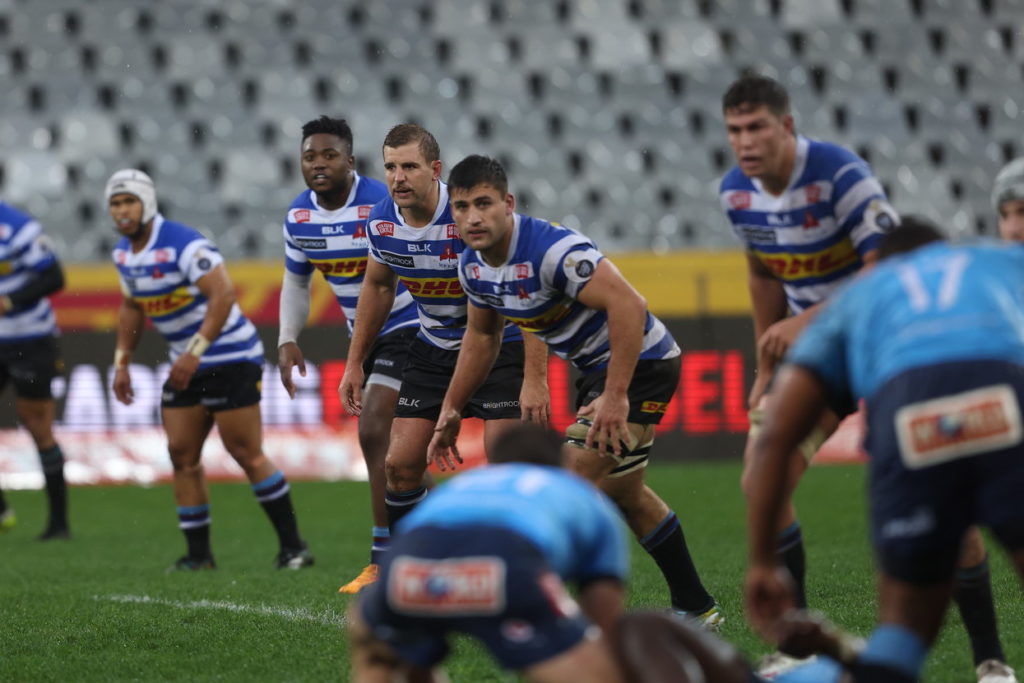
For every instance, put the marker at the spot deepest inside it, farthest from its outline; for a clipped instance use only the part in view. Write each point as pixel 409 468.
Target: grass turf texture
pixel 99 607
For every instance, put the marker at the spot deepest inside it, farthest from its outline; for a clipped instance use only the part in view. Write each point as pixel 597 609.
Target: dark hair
pixel 911 233
pixel 753 90
pixel 406 133
pixel 476 169
pixel 325 124
pixel 529 443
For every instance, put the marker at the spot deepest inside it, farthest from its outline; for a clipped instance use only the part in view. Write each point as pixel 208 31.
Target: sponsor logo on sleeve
pixel 740 200
pixel 302 216
pixel 385 228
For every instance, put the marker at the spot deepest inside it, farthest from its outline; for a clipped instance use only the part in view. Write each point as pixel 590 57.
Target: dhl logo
pixel 165 304
pixel 656 407
pixel 348 267
pixel 550 318
pixel 798 266
pixel 433 287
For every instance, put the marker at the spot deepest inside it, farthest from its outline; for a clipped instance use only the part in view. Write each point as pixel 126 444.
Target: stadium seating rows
pixel 605 111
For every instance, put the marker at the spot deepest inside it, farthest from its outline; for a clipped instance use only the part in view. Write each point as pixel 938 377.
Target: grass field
pixel 100 607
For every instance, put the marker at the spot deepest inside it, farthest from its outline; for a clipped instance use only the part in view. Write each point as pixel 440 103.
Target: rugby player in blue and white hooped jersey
pixel 553 282
pixel 29 357
pixel 325 230
pixel 174 276
pixel 933 343
pixel 413 240
pixel 810 214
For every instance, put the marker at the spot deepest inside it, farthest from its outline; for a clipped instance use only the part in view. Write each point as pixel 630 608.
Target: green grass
pixel 73 610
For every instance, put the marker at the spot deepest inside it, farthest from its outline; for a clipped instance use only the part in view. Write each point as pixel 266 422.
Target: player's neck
pixel 335 199
pixel 141 238
pixel 421 216
pixel 777 182
pixel 497 254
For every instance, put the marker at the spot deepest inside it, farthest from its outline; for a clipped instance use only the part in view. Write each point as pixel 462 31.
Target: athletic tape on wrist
pixel 197 345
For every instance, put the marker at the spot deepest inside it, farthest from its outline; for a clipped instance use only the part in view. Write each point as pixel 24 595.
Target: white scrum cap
pixel 134 182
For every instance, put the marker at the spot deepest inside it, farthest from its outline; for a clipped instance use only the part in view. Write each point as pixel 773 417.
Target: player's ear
pixel 510 202
pixel 436 166
pixel 788 123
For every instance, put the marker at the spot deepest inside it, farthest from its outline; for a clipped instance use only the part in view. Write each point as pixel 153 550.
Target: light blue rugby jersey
pixel 335 243
pixel 815 234
pixel 426 261
pixel 571 522
pixel 161 279
pixel 939 303
pixel 537 286
pixel 24 252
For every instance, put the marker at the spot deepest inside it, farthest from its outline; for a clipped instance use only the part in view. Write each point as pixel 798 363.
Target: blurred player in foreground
pixel 413 239
pixel 810 214
pixel 933 341
pixel 176 277
pixel 554 283
pixel 325 230
pixel 486 555
pixel 29 357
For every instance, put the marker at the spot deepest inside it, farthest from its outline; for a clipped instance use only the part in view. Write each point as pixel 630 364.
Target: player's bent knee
pixel 403 476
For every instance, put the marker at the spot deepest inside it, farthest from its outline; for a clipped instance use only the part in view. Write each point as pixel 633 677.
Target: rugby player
pixel 810 214
pixel 486 555
pixel 29 357
pixel 174 276
pixel 413 240
pixel 1008 200
pixel 325 230
pixel 932 342
pixel 554 283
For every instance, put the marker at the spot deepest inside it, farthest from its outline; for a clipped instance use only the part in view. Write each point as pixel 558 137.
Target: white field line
pixel 326 617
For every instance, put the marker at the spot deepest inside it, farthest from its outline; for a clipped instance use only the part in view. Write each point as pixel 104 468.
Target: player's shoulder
pixel 383 210
pixel 15 218
pixel 175 234
pixel 735 179
pixel 828 158
pixel 370 191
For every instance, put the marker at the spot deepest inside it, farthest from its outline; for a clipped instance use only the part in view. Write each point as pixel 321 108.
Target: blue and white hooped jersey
pixel 537 289
pixel 161 280
pixel 815 234
pixel 24 251
pixel 573 524
pixel 938 304
pixel 335 243
pixel 426 261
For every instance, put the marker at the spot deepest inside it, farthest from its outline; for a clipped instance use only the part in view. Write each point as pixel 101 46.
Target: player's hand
pixel 123 391
pixel 768 594
pixel 350 390
pixel 182 371
pixel 442 448
pixel 779 336
pixel 535 401
pixel 609 427
pixel 762 379
pixel 289 355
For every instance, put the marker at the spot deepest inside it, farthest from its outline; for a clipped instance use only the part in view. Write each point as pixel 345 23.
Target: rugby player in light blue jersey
pixel 553 282
pixel 174 276
pixel 29 357
pixel 810 214
pixel 488 555
pixel 325 230
pixel 933 343
pixel 413 240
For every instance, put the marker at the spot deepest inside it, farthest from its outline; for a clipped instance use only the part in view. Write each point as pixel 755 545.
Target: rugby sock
pixel 3 503
pixel 56 489
pixel 893 654
pixel 401 503
pixel 381 539
pixel 667 545
pixel 790 549
pixel 272 493
pixel 194 521
pixel 973 595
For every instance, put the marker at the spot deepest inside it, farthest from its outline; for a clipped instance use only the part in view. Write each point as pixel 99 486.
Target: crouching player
pixel 553 282
pixel 486 555
pixel 934 343
pixel 175 276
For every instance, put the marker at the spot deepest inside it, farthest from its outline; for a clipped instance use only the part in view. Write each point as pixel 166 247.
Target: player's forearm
pixel 375 301
pixel 293 310
pixel 477 354
pixel 625 339
pixel 768 303
pixel 218 308
pixel 43 284
pixel 130 321
pixel 602 601
pixel 535 359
